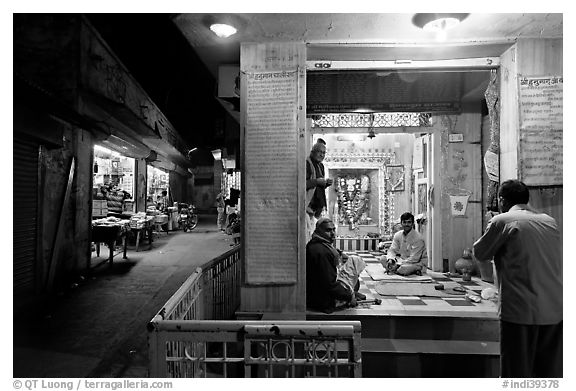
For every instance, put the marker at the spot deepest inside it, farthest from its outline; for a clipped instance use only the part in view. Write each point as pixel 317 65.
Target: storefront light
pixel 217 153
pixel 229 163
pixel 102 149
pixel 106 151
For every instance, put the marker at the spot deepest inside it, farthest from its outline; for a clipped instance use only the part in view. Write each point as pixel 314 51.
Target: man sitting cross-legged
pixel 407 254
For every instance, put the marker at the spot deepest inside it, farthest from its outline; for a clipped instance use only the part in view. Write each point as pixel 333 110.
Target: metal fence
pixel 221 279
pixel 250 348
pixel 211 292
pixel 194 335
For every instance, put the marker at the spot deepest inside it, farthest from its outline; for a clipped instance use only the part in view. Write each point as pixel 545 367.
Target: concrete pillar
pixel 273 129
pixel 141 182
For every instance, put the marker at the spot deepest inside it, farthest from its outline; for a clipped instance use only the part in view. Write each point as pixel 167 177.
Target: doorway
pixel 432 106
pixel 376 179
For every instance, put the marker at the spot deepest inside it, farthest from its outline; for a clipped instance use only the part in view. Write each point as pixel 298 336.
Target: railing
pixel 303 349
pixel 252 348
pixel 211 292
pixel 221 283
pixel 193 335
pixel 358 244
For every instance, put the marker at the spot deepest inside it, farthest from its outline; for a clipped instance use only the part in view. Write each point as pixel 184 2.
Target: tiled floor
pixel 457 306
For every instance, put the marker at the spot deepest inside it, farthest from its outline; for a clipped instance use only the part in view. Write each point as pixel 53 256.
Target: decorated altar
pixel 360 202
pixel 353 199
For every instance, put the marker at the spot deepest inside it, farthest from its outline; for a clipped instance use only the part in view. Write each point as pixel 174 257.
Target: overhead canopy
pixel 389 91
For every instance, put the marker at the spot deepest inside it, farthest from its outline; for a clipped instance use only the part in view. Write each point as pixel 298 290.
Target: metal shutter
pixel 25 214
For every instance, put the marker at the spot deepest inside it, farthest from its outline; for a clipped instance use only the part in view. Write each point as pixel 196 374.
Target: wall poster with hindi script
pixel 271 178
pixel 541 130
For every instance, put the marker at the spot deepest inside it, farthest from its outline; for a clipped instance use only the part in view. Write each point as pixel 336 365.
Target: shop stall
pixel 159 201
pixel 230 185
pixel 112 204
pixel 113 182
pixel 158 182
pixel 109 231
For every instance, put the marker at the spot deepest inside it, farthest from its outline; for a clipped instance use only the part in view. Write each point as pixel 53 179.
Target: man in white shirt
pixel 408 249
pixel 527 250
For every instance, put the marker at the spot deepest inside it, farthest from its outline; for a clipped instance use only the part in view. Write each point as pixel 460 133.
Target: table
pixel 162 220
pixel 142 225
pixel 146 229
pixel 109 234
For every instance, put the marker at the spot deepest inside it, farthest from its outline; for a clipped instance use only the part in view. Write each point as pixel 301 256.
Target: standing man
pixel 162 201
pixel 408 249
pixel 221 209
pixel 329 284
pixel 316 185
pixel 527 250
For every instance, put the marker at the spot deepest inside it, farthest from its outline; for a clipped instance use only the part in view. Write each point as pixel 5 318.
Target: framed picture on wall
pixel 395 177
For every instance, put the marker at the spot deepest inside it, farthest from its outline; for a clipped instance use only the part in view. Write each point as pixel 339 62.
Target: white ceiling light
pixel 223 30
pixel 445 23
pixel 438 23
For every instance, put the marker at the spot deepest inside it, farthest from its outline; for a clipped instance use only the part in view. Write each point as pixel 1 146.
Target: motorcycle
pixel 187 217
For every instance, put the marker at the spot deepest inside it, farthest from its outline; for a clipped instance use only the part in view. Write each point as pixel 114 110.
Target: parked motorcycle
pixel 187 217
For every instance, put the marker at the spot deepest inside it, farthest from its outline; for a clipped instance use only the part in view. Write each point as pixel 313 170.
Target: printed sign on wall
pixel 541 130
pixel 271 191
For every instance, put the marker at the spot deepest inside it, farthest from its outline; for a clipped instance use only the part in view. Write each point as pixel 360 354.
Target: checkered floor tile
pixel 370 256
pixel 450 304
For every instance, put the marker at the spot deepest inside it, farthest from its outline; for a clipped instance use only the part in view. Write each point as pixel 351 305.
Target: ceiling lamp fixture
pixel 223 30
pixel 371 133
pixel 438 23
pixel 217 153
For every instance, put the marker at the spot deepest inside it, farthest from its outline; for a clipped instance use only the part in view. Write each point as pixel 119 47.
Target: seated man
pixel 407 251
pixel 329 285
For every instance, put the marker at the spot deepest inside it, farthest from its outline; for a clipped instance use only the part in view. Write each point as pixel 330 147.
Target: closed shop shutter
pixel 25 214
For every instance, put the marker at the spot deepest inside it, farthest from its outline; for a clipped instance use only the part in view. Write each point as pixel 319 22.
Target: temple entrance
pixel 427 119
pixel 376 179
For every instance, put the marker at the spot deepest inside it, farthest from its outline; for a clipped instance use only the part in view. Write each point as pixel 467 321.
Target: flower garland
pixel 353 200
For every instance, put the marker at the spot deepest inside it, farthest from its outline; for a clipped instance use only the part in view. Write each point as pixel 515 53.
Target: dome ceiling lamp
pixel 223 25
pixel 223 30
pixel 438 23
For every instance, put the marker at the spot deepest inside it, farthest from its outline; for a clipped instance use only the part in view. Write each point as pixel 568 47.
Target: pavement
pixel 97 329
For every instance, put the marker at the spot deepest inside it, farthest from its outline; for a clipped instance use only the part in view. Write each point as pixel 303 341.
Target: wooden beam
pixel 56 247
pixel 429 346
